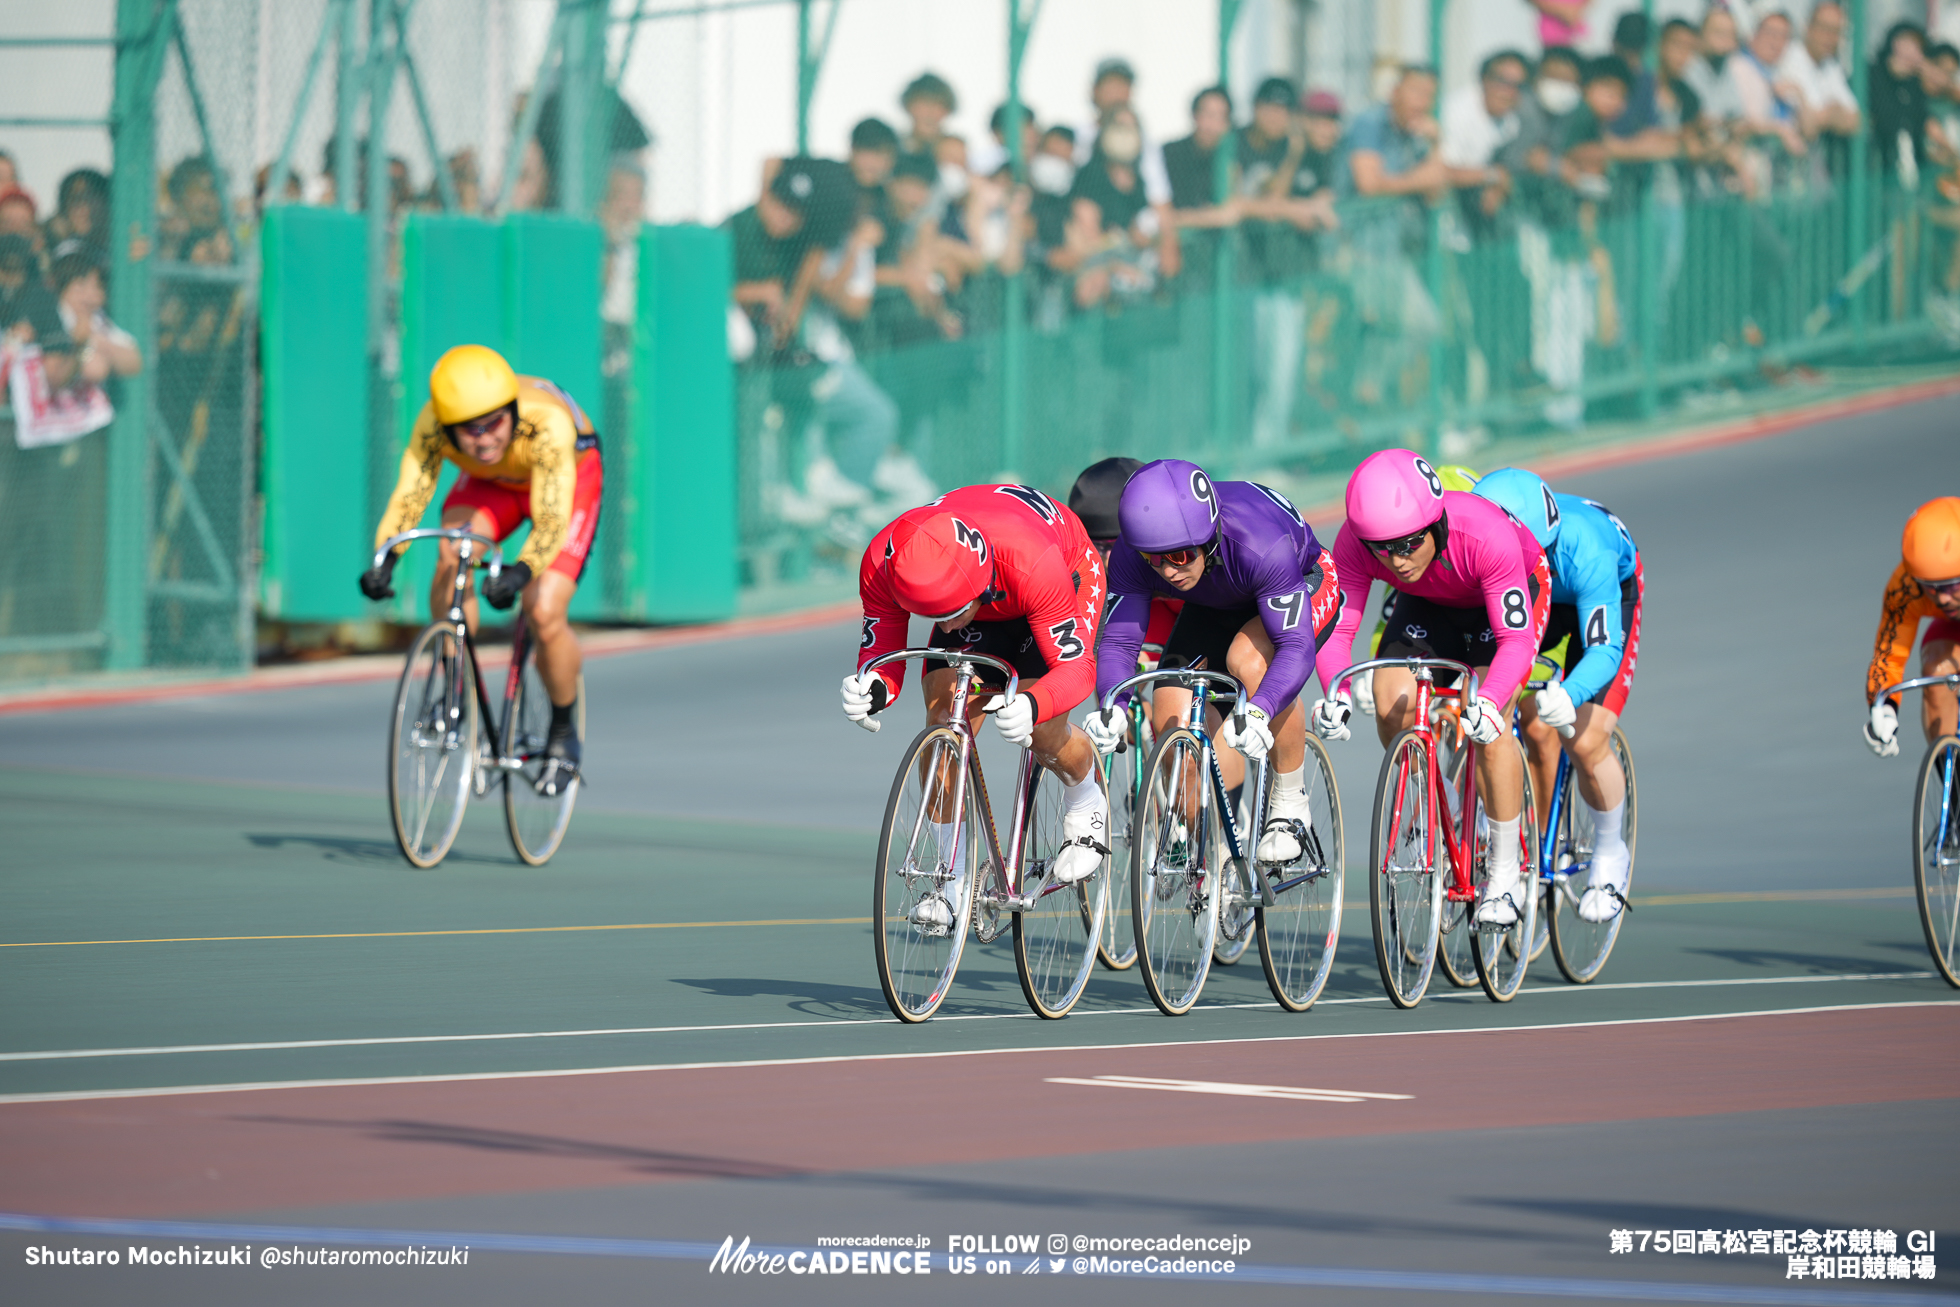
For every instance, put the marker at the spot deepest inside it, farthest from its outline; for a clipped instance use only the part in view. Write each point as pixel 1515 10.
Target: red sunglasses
pixel 1174 558
pixel 480 427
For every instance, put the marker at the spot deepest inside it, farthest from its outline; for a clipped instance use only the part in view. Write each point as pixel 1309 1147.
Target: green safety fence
pixel 1293 356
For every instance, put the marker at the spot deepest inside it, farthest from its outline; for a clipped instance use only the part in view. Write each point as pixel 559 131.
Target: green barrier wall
pixel 551 329
pixel 682 551
pixel 315 472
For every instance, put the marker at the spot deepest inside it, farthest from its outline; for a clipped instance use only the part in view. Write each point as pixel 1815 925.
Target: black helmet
pixel 1096 493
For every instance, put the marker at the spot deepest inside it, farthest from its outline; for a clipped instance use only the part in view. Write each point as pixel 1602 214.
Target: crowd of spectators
pixel 1534 171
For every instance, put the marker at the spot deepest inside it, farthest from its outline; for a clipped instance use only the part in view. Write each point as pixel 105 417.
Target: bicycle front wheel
pixel 537 821
pixel 1173 887
pixel 1055 941
pixel 928 865
pixel 1503 953
pixel 1581 947
pixel 432 745
pixel 1299 933
pixel 1405 891
pixel 1118 946
pixel 1936 851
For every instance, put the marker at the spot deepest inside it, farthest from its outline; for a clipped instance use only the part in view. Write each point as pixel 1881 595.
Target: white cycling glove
pixel 861 699
pixel 1483 721
pixel 1882 730
pixel 1362 687
pixel 1555 707
pixel 1330 718
pixel 1257 737
pixel 1106 728
pixel 1015 719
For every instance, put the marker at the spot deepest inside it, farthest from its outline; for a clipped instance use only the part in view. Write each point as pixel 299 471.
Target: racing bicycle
pixel 1196 886
pixel 445 745
pixel 939 848
pixel 1429 854
pixel 1936 837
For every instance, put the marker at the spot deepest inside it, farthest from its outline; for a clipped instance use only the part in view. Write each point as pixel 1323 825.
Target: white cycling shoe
pixel 1502 900
pixel 1085 843
pixel 1281 841
pixel 1606 888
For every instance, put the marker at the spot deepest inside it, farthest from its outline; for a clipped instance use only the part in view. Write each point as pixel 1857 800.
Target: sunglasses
pixel 483 426
pixel 1403 548
pixel 1942 588
pixel 1174 558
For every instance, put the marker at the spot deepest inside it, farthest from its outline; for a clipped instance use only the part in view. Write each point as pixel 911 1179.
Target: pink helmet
pixel 1393 494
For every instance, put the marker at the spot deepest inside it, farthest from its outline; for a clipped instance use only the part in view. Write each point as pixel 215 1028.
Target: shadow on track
pixel 1821 964
pixel 647 1160
pixel 338 848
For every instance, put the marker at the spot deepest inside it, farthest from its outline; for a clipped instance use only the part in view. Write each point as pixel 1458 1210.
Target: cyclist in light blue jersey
pixel 1597 587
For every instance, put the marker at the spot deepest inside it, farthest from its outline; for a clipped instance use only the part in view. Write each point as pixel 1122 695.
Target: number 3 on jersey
pixel 1517 613
pixel 1067 646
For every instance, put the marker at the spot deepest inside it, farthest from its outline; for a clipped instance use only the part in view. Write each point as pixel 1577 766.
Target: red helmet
pixel 937 564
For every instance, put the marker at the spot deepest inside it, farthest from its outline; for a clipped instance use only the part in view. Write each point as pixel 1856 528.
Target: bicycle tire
pixel 1301 932
pixel 1056 940
pixel 536 822
pixel 1936 852
pixel 432 739
pixel 1117 948
pixel 1581 947
pixel 1173 893
pixel 1453 929
pixel 1405 897
pixel 1503 953
pixel 916 964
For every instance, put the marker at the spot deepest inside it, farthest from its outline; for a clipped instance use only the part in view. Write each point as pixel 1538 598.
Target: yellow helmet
pixel 469 381
pixel 1455 476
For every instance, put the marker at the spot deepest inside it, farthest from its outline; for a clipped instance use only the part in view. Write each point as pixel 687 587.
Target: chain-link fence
pixel 938 309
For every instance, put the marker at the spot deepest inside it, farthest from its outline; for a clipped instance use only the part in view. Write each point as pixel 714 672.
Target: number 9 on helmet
pixel 1168 505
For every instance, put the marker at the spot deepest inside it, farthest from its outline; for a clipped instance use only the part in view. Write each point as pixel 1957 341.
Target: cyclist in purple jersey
pixel 1258 590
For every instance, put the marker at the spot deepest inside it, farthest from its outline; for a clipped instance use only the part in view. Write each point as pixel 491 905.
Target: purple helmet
pixel 1167 505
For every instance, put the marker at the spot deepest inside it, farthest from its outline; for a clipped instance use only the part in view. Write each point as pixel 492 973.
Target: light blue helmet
pixel 1525 496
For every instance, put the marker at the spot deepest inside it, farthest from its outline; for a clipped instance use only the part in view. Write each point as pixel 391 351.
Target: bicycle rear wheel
pixel 1299 933
pixel 1936 851
pixel 1581 947
pixel 923 856
pixel 1173 888
pixel 1055 941
pixel 432 745
pixel 1503 953
pixel 1454 930
pixel 1118 946
pixel 537 822
pixel 1405 887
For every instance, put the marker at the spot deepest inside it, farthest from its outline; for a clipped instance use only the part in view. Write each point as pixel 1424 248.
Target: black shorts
pixel 1422 628
pixel 1207 633
pixel 1011 641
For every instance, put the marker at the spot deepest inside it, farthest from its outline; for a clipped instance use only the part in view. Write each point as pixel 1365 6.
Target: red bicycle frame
pixel 1461 842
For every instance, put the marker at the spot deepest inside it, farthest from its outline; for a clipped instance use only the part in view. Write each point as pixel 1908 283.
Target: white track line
pixel 241 1087
pixel 63 1054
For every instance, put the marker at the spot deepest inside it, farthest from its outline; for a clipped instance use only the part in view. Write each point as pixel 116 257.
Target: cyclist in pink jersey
pixel 1475 588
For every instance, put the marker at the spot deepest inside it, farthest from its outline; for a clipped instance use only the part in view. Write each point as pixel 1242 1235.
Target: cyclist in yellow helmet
pixel 1926 583
pixel 526 451
pixel 1454 476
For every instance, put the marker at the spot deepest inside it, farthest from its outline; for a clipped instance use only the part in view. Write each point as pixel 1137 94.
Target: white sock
pixel 1292 783
pixel 1504 850
pixel 1606 827
pixel 1083 795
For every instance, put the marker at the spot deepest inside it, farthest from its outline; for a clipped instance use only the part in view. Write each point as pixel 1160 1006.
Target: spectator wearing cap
pixel 874 152
pixel 28 314
pixel 1110 89
pixel 102 349
pixel 1828 112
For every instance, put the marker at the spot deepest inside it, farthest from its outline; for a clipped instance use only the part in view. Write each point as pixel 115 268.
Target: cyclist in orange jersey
pixel 1926 583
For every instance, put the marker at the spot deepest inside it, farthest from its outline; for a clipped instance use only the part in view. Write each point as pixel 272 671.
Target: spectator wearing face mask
pixel 1530 157
pixel 1111 89
pixel 1122 243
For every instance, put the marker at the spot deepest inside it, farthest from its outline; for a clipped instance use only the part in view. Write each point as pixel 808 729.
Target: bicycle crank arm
pixel 1299 880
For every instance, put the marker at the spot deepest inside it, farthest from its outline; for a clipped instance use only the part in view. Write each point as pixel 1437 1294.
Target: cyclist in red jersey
pixel 1006 571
